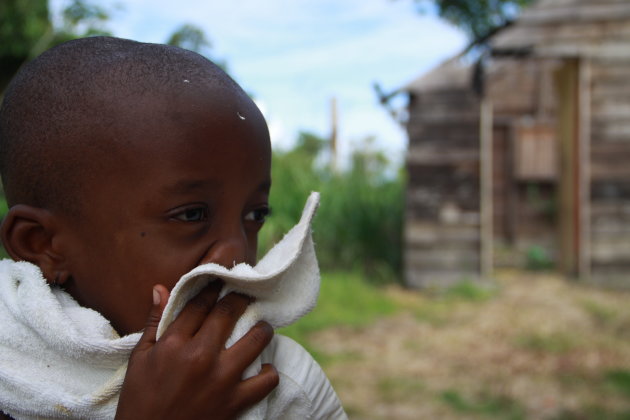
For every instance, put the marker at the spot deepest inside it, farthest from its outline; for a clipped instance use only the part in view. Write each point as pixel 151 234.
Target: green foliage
pixel 359 222
pixel 26 30
pixel 470 291
pixel 593 412
pixel 190 37
pixel 193 38
pixel 484 404
pixel 478 18
pixel 22 24
pixel 80 18
pixel 538 258
pixel 619 379
pixel 345 299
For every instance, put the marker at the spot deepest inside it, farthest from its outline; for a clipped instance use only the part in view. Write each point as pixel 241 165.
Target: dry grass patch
pixel 534 347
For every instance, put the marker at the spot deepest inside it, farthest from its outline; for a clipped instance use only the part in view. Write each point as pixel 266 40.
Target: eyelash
pixel 259 215
pixel 186 215
pixel 200 213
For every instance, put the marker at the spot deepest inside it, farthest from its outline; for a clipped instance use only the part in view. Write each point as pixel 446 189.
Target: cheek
pixel 252 249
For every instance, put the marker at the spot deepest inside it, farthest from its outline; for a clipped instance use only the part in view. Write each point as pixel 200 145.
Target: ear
pixel 28 234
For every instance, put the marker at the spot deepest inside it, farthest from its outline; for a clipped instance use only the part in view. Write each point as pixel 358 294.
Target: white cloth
pixel 59 360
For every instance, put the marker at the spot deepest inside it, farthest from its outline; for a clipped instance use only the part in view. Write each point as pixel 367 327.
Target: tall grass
pixel 359 222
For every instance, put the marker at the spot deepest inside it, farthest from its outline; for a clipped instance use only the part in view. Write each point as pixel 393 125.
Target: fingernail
pixel 156 297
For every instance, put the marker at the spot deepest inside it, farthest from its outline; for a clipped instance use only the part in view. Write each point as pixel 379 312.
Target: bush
pixel 359 222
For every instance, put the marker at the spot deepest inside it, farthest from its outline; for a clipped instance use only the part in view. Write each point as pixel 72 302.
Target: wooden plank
pixel 442 259
pixel 609 160
pixel 535 152
pixel 584 167
pixel 421 279
pixel 566 80
pixel 485 182
pixel 571 32
pixel 574 13
pixel 422 234
pixel 616 210
pixel 610 131
pixel 438 115
pixel 610 249
pixel 612 49
pixel 433 156
pixel 444 135
pixel 610 71
pixel 608 91
pixel 612 109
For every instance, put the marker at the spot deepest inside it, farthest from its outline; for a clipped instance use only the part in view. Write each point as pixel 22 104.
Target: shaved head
pixel 60 117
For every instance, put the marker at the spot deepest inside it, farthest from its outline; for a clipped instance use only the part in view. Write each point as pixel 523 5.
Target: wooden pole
pixel 568 126
pixel 485 172
pixel 584 150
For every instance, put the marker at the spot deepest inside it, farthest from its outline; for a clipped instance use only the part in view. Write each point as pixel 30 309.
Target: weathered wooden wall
pixel 596 33
pixel 442 211
pixel 610 169
pixel 525 165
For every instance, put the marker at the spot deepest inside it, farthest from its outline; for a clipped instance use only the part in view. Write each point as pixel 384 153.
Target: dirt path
pixel 537 348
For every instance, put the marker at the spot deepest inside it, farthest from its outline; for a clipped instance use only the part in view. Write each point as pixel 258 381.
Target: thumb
pixel 160 297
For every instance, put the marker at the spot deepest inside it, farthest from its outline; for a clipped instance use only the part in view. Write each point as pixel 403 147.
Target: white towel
pixel 59 360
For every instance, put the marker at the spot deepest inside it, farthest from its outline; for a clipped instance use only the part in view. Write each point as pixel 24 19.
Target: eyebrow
pixel 188 186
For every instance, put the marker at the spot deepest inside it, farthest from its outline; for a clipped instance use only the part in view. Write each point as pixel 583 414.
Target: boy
pixel 125 166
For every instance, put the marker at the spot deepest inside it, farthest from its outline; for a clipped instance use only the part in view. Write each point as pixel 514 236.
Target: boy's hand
pixel 188 373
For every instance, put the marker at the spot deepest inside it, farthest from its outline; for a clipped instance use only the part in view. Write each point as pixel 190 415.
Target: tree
pixel 26 30
pixel 193 38
pixel 23 23
pixel 479 18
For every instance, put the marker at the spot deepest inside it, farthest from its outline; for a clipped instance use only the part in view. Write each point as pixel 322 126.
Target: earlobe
pixel 27 233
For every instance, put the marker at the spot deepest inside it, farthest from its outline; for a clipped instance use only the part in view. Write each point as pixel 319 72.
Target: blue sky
pixel 295 55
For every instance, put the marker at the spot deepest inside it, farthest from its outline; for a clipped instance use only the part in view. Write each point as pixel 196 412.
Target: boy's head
pixel 126 165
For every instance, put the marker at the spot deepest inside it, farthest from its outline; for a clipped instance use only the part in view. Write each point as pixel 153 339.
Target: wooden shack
pixel 541 160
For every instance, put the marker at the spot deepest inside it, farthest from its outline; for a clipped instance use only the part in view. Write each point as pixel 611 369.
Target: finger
pixel 254 389
pixel 249 347
pixel 219 324
pixel 160 297
pixel 196 310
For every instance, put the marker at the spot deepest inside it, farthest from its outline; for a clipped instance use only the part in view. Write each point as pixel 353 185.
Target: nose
pixel 229 250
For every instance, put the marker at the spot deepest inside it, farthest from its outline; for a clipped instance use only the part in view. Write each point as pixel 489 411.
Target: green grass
pixel 619 379
pixel 345 299
pixel 483 405
pixel 469 291
pixel 602 315
pixel 556 343
pixel 400 388
pixel 438 308
pixel 593 412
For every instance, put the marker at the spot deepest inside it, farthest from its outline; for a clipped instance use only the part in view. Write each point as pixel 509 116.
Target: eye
pixel 258 215
pixel 192 214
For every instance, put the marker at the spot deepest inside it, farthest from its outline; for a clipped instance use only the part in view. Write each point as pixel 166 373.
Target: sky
pixel 294 56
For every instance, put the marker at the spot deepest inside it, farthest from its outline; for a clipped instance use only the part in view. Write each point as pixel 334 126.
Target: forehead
pixel 188 137
pixel 189 117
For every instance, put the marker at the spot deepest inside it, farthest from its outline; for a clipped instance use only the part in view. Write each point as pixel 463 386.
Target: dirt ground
pixel 534 347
